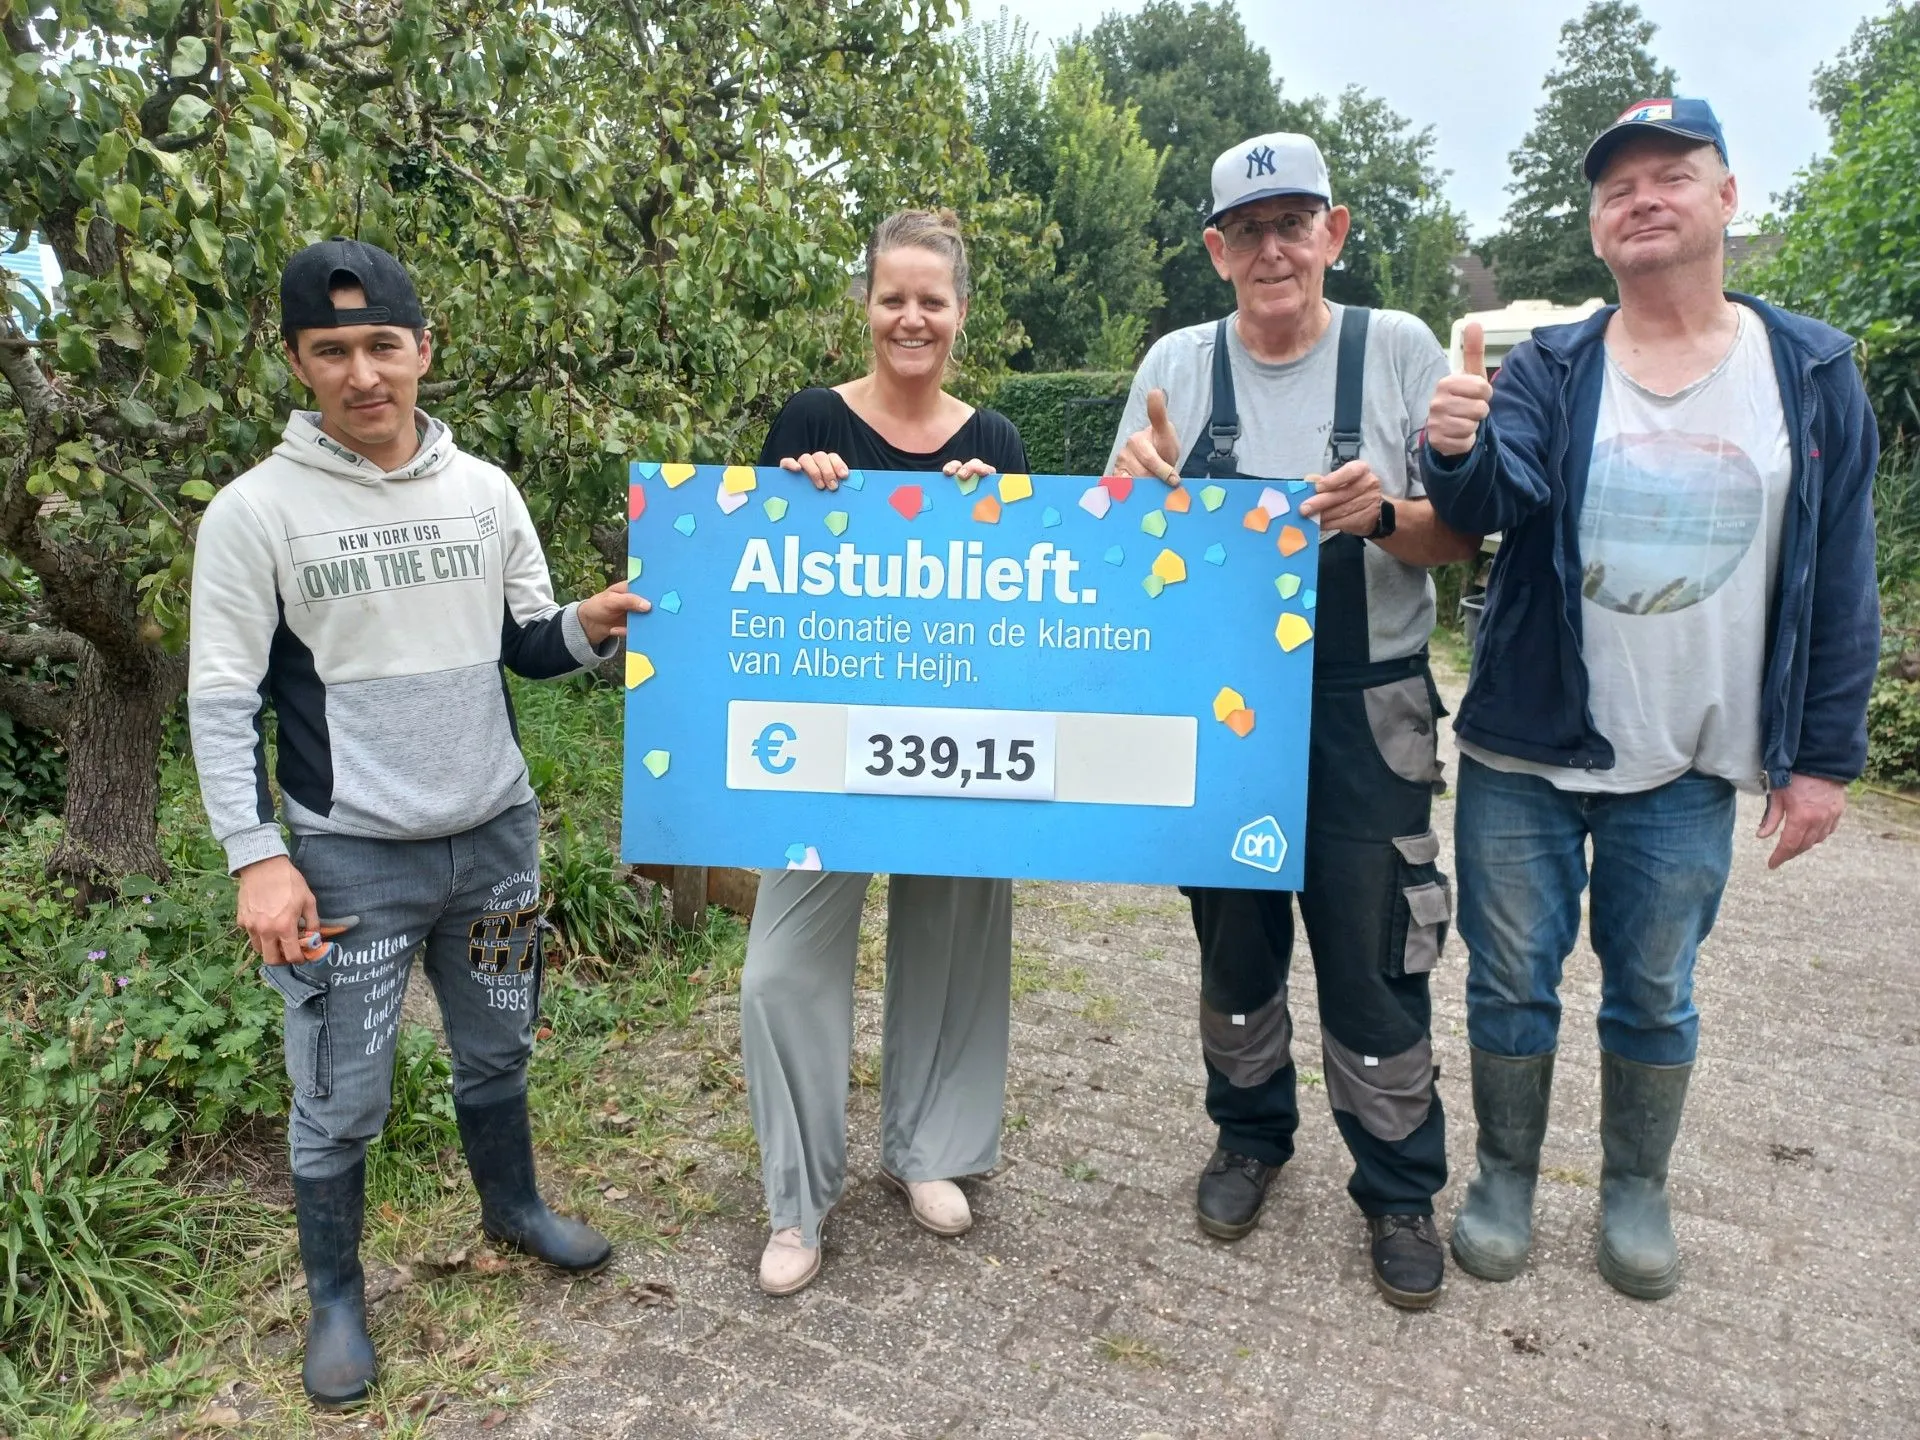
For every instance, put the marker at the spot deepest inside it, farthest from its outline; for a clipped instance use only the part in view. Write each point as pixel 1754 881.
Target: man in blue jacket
pixel 1683 606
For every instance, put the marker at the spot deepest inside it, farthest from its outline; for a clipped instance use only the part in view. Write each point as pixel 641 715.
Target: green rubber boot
pixel 1640 1109
pixel 1494 1228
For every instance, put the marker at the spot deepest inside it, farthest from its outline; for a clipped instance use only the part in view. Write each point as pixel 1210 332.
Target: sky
pixel 1477 80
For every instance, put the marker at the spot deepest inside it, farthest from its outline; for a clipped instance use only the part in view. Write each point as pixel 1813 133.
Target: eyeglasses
pixel 1289 228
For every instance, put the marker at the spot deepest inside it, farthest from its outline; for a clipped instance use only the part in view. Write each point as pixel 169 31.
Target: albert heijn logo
pixel 1260 161
pixel 1262 845
pixel 1645 112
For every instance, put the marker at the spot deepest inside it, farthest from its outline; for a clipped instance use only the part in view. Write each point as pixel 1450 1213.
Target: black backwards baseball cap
pixel 1691 119
pixel 312 275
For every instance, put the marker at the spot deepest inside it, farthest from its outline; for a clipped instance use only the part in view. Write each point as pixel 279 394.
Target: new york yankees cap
pixel 312 275
pixel 1267 166
pixel 1693 119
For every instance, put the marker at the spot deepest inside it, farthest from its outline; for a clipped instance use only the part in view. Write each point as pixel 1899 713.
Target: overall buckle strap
pixel 1349 386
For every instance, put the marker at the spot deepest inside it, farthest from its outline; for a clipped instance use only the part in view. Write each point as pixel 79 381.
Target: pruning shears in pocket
pixel 317 943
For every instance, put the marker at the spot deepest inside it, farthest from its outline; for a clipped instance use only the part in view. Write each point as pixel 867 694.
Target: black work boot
pixel 499 1145
pixel 1232 1188
pixel 1408 1263
pixel 339 1367
pixel 1640 1109
pixel 1494 1229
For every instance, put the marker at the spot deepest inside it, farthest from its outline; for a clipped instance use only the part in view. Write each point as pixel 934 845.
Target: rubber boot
pixel 499 1144
pixel 1494 1229
pixel 1640 1109
pixel 339 1366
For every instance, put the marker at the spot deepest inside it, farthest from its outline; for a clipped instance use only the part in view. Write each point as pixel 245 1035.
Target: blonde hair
pixel 935 230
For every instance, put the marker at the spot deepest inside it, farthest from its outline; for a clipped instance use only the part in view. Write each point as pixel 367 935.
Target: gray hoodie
pixel 376 612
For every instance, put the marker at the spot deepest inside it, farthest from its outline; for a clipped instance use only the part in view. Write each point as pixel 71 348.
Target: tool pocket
pixel 1424 908
pixel 308 1049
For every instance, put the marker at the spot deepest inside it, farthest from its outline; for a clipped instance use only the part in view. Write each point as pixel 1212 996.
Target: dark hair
pixel 935 230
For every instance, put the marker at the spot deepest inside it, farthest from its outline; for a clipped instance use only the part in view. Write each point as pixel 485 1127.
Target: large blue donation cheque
pixel 1023 675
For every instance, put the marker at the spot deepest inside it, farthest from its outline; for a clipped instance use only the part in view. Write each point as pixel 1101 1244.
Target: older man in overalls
pixel 1294 385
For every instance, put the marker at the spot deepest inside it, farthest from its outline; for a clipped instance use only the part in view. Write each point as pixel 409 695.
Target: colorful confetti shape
pixel 728 500
pixel 1292 540
pixel 639 669
pixel 1118 486
pixel 1153 585
pixel 796 852
pixel 1292 632
pixel 968 484
pixel 1241 723
pixel 636 502
pixel 1256 520
pixel 1309 599
pixel 684 525
pixel 739 479
pixel 1115 555
pixel 776 508
pixel 634 567
pixel 909 500
pixel 856 480
pixel 1049 518
pixel 987 510
pixel 1226 702
pixel 656 762
pixel 837 522
pixel 1295 487
pixel 1014 488
pixel 642 470
pixel 809 859
pixel 1274 503
pixel 1213 497
pixel 1216 554
pixel 1288 585
pixel 1170 567
pixel 1154 523
pixel 1179 500
pixel 1096 500
pixel 670 602
pixel 676 475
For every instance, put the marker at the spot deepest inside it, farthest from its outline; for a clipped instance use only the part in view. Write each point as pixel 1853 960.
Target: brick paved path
pixel 1086 1304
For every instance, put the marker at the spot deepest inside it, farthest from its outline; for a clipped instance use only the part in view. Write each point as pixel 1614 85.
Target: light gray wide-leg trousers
pixel 943 1052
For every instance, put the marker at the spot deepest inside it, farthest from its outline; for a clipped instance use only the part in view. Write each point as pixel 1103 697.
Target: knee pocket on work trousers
pixel 1249 1048
pixel 1390 1095
pixel 1422 909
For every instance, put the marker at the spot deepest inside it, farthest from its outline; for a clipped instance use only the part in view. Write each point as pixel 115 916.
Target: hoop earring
pixel 960 344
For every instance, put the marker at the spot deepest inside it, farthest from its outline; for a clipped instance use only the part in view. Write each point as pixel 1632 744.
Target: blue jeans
pixel 1660 861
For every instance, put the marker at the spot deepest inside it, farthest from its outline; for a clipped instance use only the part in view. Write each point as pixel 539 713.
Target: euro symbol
pixel 767 748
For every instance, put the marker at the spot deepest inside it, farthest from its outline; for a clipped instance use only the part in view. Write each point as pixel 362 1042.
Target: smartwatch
pixel 1383 527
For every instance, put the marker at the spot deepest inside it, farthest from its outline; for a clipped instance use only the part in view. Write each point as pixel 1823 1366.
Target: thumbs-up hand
pixel 1155 450
pixel 1461 402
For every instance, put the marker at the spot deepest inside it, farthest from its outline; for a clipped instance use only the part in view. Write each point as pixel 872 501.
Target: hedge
pixel 1037 405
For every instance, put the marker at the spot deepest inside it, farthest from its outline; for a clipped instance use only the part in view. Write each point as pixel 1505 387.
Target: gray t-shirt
pixel 1679 547
pixel 1286 421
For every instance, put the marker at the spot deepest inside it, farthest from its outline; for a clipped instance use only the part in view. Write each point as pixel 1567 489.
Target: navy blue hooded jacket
pixel 1526 477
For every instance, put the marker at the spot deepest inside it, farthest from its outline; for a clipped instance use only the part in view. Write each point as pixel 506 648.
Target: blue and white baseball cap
pixel 1265 167
pixel 1693 119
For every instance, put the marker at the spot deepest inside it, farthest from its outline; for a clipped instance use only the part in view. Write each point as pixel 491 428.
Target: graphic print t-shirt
pixel 1679 546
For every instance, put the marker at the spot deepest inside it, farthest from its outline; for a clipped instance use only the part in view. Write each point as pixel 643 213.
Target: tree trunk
pixel 114 732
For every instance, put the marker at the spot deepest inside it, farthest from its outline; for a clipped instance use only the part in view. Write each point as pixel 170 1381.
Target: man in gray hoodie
pixel 372 583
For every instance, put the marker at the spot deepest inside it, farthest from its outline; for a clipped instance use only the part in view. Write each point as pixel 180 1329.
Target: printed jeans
pixel 1660 862
pixel 473 899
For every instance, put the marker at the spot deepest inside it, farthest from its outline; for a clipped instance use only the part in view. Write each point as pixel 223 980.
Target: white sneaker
pixel 936 1205
pixel 787 1265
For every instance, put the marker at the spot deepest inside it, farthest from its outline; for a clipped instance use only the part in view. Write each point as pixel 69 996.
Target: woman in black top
pixel 949 941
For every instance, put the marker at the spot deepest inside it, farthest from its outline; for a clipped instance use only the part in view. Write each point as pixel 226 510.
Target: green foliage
pixel 100 1254
pixel 1405 236
pixel 1544 251
pixel 1041 407
pixel 1051 132
pixel 1200 85
pixel 417 1152
pixel 1884 50
pixel 1848 243
pixel 1893 731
